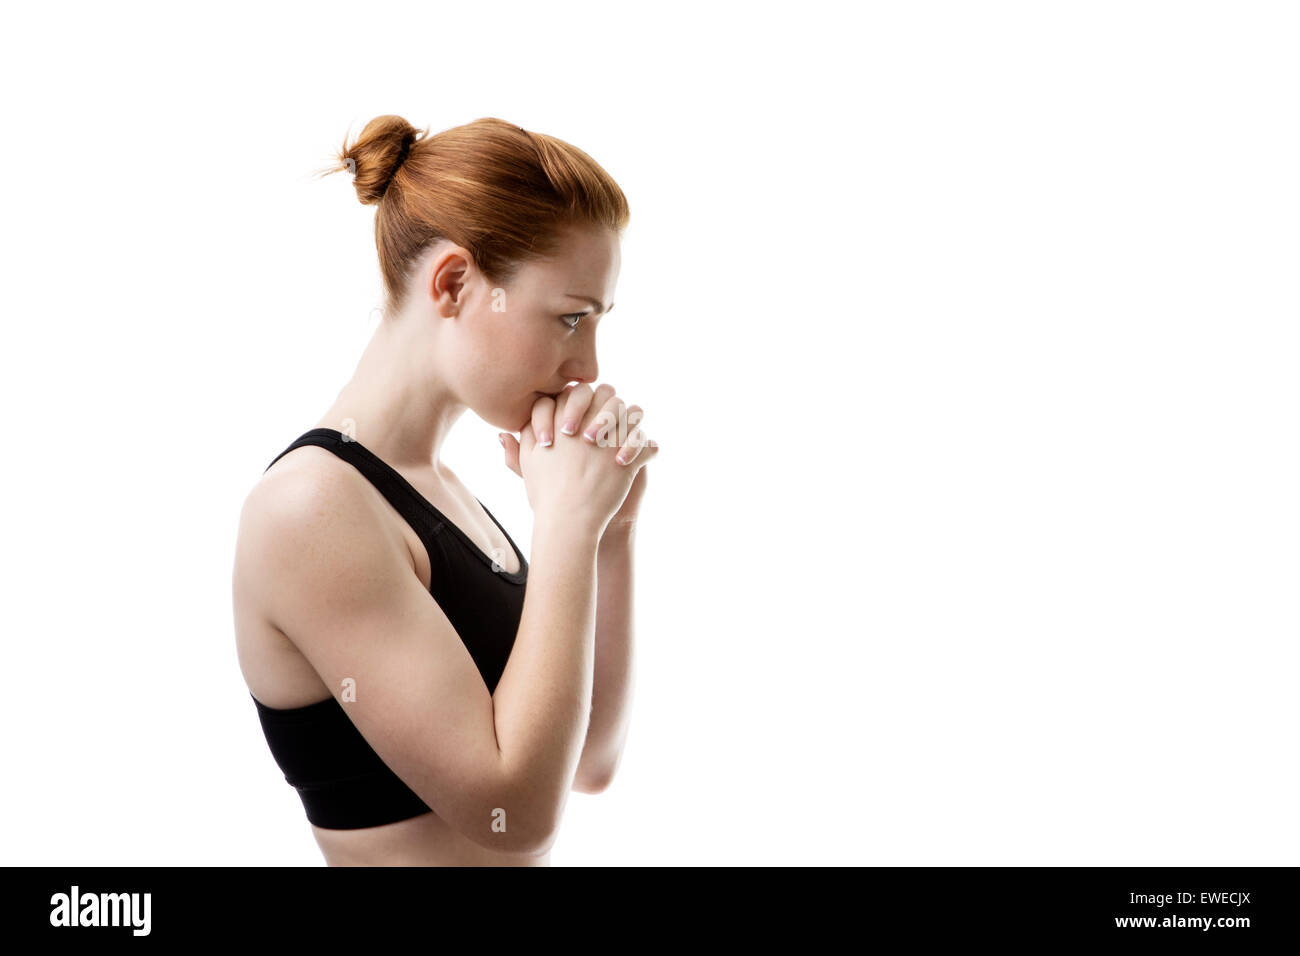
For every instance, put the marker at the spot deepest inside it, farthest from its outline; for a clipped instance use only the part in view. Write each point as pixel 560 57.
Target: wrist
pixel 568 531
pixel 619 532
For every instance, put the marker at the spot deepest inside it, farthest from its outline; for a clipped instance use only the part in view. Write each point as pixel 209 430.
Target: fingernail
pixel 569 427
pixel 502 439
pixel 545 439
pixel 590 433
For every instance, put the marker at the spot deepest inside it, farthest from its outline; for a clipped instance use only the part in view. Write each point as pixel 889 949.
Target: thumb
pixel 511 446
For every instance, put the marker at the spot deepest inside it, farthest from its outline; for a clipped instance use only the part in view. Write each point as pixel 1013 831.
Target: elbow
pixel 540 846
pixel 593 783
pixel 512 820
pixel 518 834
pixel 536 840
pixel 597 776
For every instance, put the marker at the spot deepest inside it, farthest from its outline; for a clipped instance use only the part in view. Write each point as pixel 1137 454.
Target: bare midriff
pixel 425 840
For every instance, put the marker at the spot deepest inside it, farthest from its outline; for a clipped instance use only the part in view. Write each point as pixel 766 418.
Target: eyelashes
pixel 575 316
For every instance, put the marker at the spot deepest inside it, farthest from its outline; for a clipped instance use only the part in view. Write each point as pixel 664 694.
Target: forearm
pixel 611 697
pixel 541 705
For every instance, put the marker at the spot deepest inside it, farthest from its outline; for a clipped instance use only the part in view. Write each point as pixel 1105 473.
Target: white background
pixel 969 332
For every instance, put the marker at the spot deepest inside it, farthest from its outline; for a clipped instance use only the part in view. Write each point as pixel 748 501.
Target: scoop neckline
pixel 515 577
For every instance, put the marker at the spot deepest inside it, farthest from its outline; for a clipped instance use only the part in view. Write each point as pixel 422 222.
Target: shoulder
pixel 307 472
pixel 295 491
pixel 310 509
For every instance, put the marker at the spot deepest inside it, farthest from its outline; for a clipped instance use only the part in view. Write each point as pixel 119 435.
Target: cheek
pixel 506 363
pixel 526 359
pixel 492 357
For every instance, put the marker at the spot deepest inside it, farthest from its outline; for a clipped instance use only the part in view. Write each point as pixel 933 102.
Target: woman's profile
pixel 431 694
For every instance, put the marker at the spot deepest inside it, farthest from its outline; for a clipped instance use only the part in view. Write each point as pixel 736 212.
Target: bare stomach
pixel 425 840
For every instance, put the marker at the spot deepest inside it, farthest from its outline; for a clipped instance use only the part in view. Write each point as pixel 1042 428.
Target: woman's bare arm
pixel 542 703
pixel 611 694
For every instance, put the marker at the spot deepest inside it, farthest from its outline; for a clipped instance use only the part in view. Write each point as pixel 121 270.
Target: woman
pixel 429 709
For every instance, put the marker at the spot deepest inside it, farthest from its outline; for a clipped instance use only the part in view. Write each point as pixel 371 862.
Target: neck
pixel 393 405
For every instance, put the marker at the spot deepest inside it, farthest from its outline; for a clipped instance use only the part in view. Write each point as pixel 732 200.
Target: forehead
pixel 586 262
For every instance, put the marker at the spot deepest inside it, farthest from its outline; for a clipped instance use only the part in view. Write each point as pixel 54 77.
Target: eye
pixel 575 316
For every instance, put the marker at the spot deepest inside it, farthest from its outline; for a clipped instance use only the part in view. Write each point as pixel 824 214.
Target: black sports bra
pixel 343 783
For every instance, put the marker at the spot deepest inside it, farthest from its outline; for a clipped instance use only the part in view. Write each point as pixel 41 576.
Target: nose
pixel 583 372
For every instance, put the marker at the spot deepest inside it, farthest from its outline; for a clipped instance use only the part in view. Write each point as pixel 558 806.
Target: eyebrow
pixel 595 302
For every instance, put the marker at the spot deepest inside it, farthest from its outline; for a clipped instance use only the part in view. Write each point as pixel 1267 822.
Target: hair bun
pixel 376 155
pixel 404 149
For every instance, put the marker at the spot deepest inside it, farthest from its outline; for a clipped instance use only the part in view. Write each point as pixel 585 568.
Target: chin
pixel 528 411
pixel 509 418
pixel 512 420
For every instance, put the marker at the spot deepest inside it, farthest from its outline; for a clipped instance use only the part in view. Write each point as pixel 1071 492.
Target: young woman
pixel 429 708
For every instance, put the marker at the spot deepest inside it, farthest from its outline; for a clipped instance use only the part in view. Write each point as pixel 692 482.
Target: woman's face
pixel 511 345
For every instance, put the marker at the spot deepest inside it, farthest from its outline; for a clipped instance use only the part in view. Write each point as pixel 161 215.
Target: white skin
pixel 449 349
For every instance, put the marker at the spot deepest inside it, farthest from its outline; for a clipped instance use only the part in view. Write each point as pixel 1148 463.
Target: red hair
pixel 499 191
